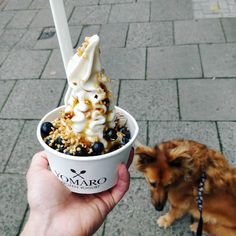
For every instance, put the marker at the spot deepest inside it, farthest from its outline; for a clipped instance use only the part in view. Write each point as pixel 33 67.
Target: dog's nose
pixel 159 206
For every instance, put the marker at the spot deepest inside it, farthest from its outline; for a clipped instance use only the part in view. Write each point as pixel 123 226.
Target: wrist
pixel 37 224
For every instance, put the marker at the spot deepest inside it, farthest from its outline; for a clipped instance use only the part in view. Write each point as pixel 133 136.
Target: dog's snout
pixel 159 206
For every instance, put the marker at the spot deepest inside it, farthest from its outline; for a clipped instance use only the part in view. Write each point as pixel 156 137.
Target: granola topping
pixel 63 139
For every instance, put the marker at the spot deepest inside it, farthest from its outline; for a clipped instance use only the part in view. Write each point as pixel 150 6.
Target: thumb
pixel 39 162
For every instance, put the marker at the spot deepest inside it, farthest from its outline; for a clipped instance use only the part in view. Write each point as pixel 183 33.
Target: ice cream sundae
pixel 89 124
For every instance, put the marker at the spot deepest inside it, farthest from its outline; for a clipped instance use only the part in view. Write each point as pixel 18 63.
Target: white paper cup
pixel 91 174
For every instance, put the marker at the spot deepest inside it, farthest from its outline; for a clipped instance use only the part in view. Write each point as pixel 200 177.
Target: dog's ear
pixel 145 159
pixel 144 156
pixel 180 156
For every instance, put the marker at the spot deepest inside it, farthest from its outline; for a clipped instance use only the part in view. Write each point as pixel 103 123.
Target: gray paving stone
pixel 44 17
pixel 3 56
pixel 47 42
pixel 42 96
pixel 115 1
pixel 25 219
pixel 10 37
pixel 39 4
pixel 142 138
pixel 203 132
pixel 228 138
pixel 22 19
pixel 27 145
pixel 123 13
pixel 90 15
pixel 3 3
pixel 5 88
pixel 214 9
pixel 208 99
pixel 27 64
pixel 13 203
pixel 171 10
pixel 179 228
pixel 136 207
pixel 52 42
pixel 5 17
pixel 11 130
pixel 149 100
pixel 115 89
pixel 113 35
pixel 150 34
pixel 173 62
pixel 81 2
pixel 219 60
pixel 29 39
pixel 75 32
pixel 16 4
pixel 198 31
pixel 229 28
pixel 88 30
pixel 54 68
pixel 63 96
pixel 100 231
pixel 123 63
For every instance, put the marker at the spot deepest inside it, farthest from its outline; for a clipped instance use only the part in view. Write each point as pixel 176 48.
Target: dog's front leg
pixel 173 214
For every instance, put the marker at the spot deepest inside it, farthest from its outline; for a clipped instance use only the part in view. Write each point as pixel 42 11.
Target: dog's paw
pixel 164 221
pixel 193 227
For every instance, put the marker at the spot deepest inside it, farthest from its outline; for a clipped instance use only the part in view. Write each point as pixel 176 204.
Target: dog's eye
pixel 153 184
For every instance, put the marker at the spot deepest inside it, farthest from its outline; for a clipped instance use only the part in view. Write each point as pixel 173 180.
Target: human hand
pixel 54 210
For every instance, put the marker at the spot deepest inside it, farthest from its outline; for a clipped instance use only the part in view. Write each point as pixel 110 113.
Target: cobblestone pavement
pixel 176 75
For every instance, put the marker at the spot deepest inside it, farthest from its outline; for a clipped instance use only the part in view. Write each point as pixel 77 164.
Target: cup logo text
pixel 79 180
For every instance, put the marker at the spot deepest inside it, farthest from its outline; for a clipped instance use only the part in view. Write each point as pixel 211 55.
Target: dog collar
pixel 200 202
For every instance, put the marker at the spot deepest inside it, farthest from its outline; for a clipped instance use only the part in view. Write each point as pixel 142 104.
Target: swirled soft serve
pixel 90 100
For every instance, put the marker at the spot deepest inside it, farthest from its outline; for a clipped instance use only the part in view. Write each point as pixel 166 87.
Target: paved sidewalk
pixel 175 74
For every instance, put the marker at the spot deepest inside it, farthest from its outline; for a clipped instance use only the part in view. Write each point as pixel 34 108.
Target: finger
pixel 131 157
pixel 39 161
pixel 122 185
